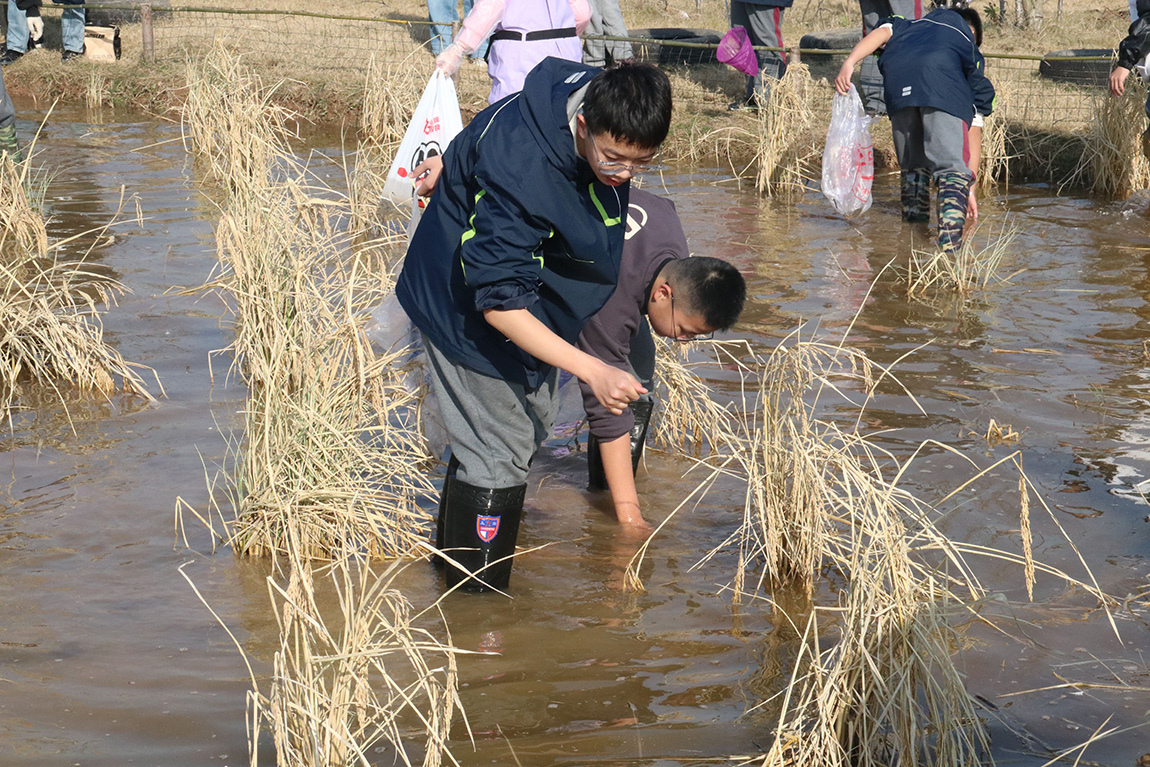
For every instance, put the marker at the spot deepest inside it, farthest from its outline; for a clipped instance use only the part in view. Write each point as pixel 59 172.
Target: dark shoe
pixel 10 56
pixel 743 105
pixel 480 528
pixel 452 467
pixel 596 479
pixel 69 55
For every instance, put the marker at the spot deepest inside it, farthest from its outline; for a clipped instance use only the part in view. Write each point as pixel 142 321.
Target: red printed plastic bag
pixel 435 122
pixel 848 159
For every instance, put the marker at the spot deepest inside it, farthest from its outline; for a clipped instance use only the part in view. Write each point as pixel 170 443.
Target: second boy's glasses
pixel 681 337
pixel 614 168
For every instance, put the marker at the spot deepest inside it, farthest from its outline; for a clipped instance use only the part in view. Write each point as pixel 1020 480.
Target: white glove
pixel 36 27
pixel 448 61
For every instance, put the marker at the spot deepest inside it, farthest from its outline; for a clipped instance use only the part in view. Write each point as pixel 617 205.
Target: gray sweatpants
pixel 494 426
pixel 930 139
pixel 7 111
pixel 870 79
pixel 606 19
pixel 764 25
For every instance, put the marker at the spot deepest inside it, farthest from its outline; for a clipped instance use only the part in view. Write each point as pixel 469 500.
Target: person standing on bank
pixel 443 14
pixel 606 19
pixel 8 144
pixel 26 28
pixel 519 245
pixel 519 35
pixel 763 20
pixel 870 78
pixel 1132 54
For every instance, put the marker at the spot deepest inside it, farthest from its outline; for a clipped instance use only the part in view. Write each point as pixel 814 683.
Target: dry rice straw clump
pixel 1113 160
pixel 331 455
pixel 51 333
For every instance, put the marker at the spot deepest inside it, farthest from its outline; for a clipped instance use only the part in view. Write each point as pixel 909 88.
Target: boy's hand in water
pixel 427 175
pixel 631 520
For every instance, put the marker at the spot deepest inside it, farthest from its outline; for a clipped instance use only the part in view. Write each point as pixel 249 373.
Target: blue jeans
pixel 71 28
pixel 442 13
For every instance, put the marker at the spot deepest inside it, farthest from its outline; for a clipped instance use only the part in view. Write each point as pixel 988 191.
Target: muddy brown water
pixel 107 656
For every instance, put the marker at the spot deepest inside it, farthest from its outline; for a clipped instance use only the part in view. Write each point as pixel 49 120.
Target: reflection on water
pixel 110 659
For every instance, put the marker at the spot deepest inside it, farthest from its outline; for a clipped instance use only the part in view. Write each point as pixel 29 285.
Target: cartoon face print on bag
pixel 422 152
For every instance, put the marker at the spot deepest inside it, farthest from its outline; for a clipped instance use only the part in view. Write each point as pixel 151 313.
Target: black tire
pixel 1087 71
pixel 827 64
pixel 664 55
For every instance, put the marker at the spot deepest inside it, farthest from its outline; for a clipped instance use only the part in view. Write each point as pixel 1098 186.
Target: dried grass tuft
pixel 332 455
pixel 1113 160
pixel 51 332
pixel 971 267
pixel 790 136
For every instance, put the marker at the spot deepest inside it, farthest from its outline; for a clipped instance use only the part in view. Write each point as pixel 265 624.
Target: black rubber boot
pixel 452 467
pixel 481 526
pixel 596 479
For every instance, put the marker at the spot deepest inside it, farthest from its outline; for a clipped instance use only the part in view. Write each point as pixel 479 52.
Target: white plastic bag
pixel 435 122
pixel 848 159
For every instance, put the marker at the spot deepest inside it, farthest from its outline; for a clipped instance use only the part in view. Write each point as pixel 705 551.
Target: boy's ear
pixel 581 123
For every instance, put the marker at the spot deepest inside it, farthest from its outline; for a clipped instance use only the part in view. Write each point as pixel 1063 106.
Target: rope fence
pixel 1054 92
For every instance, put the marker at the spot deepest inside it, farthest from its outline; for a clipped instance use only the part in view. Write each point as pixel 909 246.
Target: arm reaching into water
pixel 865 47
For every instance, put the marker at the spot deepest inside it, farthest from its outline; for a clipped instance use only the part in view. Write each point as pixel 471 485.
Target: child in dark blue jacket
pixel 937 94
pixel 519 245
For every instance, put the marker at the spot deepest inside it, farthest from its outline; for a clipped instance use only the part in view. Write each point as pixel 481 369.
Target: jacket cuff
pixel 505 297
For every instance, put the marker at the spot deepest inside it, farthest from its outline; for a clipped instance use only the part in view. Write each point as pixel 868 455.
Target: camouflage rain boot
pixel 916 195
pixel 953 191
pixel 8 143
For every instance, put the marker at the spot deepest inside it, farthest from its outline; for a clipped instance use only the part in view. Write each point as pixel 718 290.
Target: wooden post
pixel 149 42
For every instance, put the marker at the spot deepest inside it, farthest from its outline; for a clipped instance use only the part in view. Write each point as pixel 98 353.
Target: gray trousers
pixel 870 78
pixel 494 426
pixel 606 19
pixel 764 25
pixel 7 111
pixel 930 139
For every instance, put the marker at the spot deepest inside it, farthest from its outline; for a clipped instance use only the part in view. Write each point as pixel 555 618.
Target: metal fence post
pixel 149 42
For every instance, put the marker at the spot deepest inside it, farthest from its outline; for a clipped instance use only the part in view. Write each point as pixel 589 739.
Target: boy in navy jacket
pixel 682 298
pixel 1132 51
pixel 937 94
pixel 519 245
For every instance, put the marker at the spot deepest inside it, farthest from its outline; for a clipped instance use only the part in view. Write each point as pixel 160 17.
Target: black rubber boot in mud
pixel 642 409
pixel 452 467
pixel 596 479
pixel 480 528
pixel 953 191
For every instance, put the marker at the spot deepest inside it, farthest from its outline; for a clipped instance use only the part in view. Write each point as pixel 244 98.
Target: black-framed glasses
pixel 614 168
pixel 683 338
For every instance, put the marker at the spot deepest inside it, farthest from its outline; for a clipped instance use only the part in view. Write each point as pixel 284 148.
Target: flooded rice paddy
pixel 108 657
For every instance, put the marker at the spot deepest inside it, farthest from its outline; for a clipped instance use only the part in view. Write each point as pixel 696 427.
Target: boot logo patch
pixel 486 528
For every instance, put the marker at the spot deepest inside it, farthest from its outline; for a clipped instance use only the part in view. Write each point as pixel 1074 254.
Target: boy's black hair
pixel 709 287
pixel 975 22
pixel 632 103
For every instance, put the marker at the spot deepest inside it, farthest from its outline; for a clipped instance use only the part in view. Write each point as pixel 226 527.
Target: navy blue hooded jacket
pixel 1137 42
pixel 933 62
pixel 517 220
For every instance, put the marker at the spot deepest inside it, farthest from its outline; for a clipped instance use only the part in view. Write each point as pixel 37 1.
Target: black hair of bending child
pixel 631 103
pixel 709 287
pixel 975 22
